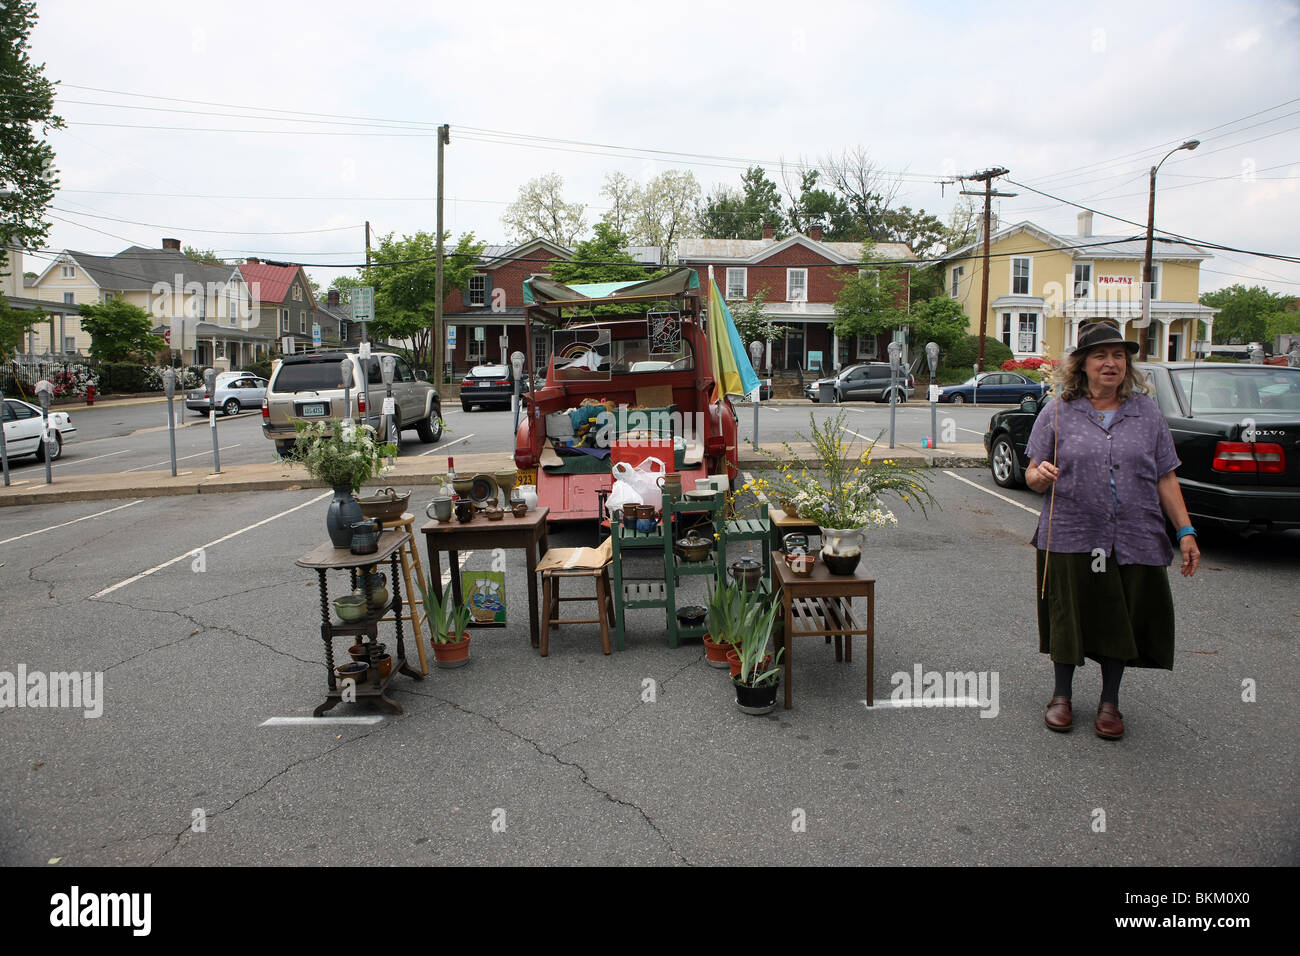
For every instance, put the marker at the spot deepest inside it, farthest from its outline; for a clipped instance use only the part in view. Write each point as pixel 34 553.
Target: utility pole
pixel 444 138
pixel 987 177
pixel 367 243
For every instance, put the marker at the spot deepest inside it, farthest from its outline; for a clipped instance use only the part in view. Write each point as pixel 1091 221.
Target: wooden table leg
pixel 789 648
pixel 871 644
pixel 435 571
pixel 530 551
pixel 453 565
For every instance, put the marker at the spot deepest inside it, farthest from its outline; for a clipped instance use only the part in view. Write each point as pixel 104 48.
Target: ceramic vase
pixel 344 509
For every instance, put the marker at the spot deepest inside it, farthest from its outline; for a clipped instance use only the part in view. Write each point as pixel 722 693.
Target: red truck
pixel 646 374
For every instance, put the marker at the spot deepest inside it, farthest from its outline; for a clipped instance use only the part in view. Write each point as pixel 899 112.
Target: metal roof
pixel 754 250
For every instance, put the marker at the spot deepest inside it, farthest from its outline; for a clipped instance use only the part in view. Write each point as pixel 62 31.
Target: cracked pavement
pixel 522 760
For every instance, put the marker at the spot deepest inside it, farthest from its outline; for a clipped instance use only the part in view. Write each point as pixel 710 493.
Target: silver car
pixel 234 394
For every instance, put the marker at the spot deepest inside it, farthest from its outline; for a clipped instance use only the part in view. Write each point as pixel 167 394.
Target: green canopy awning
pixel 548 296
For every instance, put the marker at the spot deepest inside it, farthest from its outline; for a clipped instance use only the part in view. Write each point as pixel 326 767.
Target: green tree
pixel 729 214
pixel 939 320
pixel 868 302
pixel 624 196
pixel 208 257
pixel 1242 311
pixel 753 323
pixel 27 177
pixel 817 206
pixel 14 326
pixel 540 212
pixel 1281 323
pixel 404 289
pixel 667 210
pixel 603 258
pixel 119 330
pixel 925 234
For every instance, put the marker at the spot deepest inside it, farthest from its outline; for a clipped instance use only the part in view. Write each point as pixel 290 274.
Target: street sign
pixel 167 336
pixel 315 335
pixel 451 336
pixel 286 345
pixel 363 304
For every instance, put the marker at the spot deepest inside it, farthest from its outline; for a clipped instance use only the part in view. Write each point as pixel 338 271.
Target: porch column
pixel 1209 329
pixel 1162 343
pixel 835 349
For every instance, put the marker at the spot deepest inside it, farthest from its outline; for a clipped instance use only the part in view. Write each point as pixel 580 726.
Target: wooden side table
pixel 527 533
pixel 328 558
pixel 820 605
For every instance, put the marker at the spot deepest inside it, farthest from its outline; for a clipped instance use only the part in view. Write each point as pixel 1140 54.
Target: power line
pixel 225 232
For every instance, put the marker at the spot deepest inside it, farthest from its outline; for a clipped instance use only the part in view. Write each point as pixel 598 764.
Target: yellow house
pixel 1043 286
pixel 205 311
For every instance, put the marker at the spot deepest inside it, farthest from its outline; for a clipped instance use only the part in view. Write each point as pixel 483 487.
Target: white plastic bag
pixel 645 479
pixel 621 496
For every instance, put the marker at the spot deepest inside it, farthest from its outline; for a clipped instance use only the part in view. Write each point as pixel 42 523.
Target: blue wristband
pixel 1185 531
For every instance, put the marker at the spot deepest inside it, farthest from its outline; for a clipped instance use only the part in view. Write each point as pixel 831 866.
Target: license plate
pixel 525 476
pixel 317 410
pixel 484 384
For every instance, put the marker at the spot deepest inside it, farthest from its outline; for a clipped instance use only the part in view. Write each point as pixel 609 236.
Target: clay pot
pixel 455 654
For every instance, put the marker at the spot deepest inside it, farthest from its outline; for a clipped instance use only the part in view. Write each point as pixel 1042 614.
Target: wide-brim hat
pixel 1102 333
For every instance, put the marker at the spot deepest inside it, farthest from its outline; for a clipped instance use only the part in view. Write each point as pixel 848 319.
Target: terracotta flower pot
pixel 733 658
pixel 715 655
pixel 454 654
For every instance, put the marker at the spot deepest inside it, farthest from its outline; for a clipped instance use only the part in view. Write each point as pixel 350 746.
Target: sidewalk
pixel 281 476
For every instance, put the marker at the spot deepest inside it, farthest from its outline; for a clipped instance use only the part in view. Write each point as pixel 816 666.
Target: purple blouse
pixel 1134 453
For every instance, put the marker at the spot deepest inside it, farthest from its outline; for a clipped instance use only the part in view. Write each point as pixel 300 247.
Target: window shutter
pixel 487 290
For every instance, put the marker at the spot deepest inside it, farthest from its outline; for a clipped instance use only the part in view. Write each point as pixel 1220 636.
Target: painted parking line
pixel 904 702
pixel 989 491
pixel 81 461
pixel 971 430
pixel 448 445
pixel 210 544
pixel 319 721
pixel 53 527
pixel 168 461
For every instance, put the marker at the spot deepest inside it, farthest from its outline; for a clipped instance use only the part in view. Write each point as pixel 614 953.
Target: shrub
pixel 964 353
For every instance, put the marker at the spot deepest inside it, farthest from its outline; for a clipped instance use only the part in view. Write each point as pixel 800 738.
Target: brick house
pixel 802 277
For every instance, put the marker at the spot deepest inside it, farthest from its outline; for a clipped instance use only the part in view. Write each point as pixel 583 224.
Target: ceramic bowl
pixel 350 607
pixel 694 549
pixel 692 615
pixel 357 670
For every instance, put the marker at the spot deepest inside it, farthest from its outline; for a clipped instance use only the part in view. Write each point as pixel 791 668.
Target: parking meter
pixel 932 359
pixel 4 448
pixel 895 351
pixel 45 392
pixel 169 386
pixel 756 355
pixel 210 384
pixel 387 368
pixel 1256 354
pixel 517 363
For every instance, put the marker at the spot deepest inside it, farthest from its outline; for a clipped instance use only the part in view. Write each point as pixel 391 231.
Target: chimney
pixel 815 232
pixel 333 298
pixel 1085 223
pixel 252 261
pixel 174 245
pixel 769 230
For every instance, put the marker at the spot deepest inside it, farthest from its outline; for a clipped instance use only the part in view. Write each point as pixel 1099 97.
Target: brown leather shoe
pixel 1110 722
pixel 1059 715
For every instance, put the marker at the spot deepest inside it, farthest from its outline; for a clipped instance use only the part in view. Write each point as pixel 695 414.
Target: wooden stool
pixel 557 566
pixel 412 607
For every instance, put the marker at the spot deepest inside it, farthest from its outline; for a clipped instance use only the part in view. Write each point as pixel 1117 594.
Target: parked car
pixel 22 425
pixel 994 388
pixel 235 392
pixel 864 382
pixel 1236 429
pixel 488 385
pixel 310 387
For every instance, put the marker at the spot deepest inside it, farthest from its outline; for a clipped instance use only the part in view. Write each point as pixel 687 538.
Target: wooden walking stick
pixel 1051 507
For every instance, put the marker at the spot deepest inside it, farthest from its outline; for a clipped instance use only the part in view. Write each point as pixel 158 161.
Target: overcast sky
pixel 1077 100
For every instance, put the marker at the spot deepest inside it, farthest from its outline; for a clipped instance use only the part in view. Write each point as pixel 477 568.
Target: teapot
pixel 365 535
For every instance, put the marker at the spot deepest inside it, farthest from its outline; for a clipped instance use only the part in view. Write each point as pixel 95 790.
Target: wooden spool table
pixel 820 605
pixel 328 558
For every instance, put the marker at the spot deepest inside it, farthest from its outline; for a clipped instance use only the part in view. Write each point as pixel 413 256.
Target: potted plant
pixel 726 609
pixel 760 669
pixel 842 490
pixel 342 457
pixel 447 625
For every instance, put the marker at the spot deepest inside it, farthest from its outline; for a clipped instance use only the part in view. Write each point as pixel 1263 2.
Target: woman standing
pixel 1104 452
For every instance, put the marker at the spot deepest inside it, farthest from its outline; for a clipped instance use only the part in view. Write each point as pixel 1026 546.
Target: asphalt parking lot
pixel 569 759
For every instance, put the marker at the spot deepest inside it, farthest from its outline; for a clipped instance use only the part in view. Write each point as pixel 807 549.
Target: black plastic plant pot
pixel 756 700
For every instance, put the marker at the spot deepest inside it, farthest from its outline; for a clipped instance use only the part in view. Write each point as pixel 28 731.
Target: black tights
pixel 1112 672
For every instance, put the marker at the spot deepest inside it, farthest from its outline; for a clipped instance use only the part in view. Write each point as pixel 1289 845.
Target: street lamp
pixel 1151 222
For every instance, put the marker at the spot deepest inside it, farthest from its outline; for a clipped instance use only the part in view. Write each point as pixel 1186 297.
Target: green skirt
pixel 1124 611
